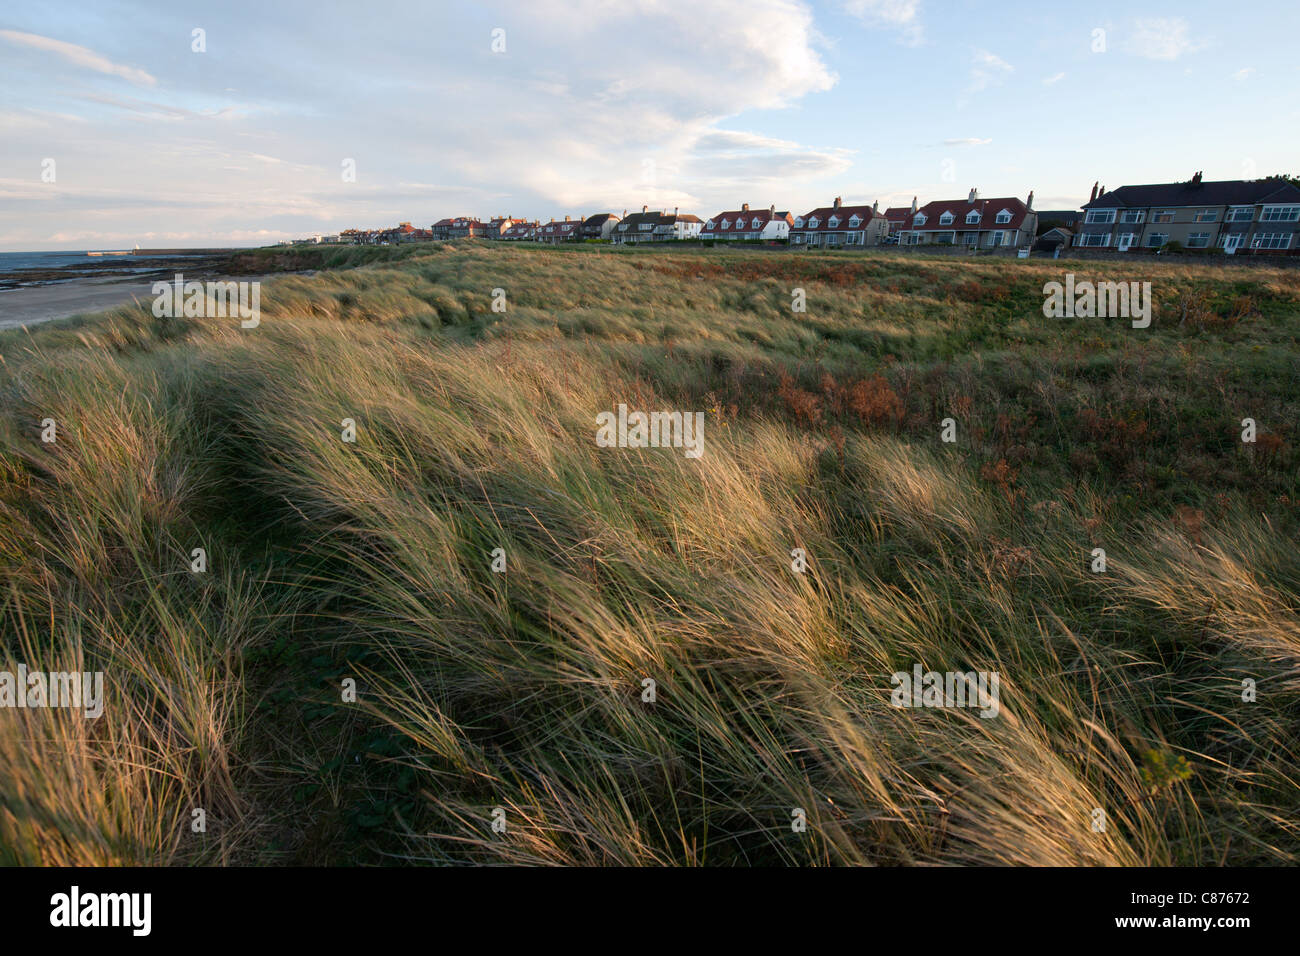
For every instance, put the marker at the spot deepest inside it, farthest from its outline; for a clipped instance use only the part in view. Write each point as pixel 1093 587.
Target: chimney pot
pixel 645 208
pixel 837 202
pixel 744 207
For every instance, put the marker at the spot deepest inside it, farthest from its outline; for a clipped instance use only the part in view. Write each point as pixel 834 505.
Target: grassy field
pixel 475 430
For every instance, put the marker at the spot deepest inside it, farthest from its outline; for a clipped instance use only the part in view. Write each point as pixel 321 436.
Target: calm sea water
pixel 17 261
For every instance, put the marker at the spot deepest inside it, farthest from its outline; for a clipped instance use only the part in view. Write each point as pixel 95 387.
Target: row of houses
pixel 1229 216
pixel 1257 215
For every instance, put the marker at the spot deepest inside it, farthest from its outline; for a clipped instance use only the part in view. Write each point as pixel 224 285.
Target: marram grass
pixel 523 690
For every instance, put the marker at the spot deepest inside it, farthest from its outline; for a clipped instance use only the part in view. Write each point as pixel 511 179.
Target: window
pixel 1241 214
pixel 1100 216
pixel 756 224
pixel 1093 239
pixel 855 221
pixel 1132 216
pixel 1157 239
pixel 970 238
pixel 1163 215
pixel 1280 214
pixel 946 238
pixel 833 222
pixel 946 219
pixel 1198 240
pixel 814 222
pixel 1207 215
pixel 999 238
pixel 972 218
pixel 726 224
pixel 709 224
pixel 918 219
pixel 1004 217
pixel 798 223
pixel 1272 240
pixel 1127 239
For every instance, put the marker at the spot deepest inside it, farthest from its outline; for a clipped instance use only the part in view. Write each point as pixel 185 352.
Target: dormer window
pixel 972 218
pixel 756 224
pixel 833 222
pixel 798 223
pixel 814 222
pixel 726 224
pixel 946 219
pixel 709 224
pixel 918 219
pixel 855 221
pixel 1004 217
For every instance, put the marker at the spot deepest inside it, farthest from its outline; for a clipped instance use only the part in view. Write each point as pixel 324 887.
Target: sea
pixel 119 265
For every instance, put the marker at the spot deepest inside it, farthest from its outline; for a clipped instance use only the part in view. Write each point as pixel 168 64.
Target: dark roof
pixel 1060 215
pixel 599 219
pixel 1228 192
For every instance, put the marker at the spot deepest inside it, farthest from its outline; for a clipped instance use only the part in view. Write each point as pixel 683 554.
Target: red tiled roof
pixel 824 213
pixel 988 209
pixel 764 216
pixel 559 230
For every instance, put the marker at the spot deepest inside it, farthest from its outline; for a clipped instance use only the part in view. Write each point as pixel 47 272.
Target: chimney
pixel 771 210
pixel 837 202
pixel 1030 203
pixel 645 208
pixel 744 207
pixel 971 197
pixel 1196 180
pixel 1094 193
pixel 913 205
pixel 875 206
pixel 624 216
pixel 675 210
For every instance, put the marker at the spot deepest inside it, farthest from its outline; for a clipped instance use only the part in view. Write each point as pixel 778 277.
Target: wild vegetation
pixel 522 690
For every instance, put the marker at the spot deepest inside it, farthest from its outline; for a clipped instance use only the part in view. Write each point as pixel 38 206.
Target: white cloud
pixel 987 69
pixel 902 15
pixel 968 141
pixel 79 56
pixel 1162 38
pixel 1053 79
pixel 1242 75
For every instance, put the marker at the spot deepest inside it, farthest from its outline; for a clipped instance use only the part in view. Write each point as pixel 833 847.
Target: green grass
pixel 475 431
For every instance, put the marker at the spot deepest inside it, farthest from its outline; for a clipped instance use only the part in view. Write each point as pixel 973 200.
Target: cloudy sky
pixel 116 128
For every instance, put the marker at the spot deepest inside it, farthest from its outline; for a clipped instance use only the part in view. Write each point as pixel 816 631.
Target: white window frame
pixel 1198 240
pixel 1099 217
pixel 814 222
pixel 1234 214
pixel 947 219
pixel 1279 213
pixel 973 218
pixel 1003 217
pixel 1163 237
pixel 1086 239
pixel 1271 240
pixel 919 219
pixel 1132 217
pixel 798 223
pixel 854 221
pixel 1206 215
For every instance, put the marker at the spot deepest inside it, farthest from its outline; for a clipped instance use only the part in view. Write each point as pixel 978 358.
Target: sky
pixel 245 123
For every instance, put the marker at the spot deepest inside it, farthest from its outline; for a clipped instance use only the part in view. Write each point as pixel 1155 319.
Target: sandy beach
pixel 34 304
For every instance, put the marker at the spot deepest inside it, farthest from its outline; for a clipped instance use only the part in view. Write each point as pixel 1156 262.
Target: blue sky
pixel 606 105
